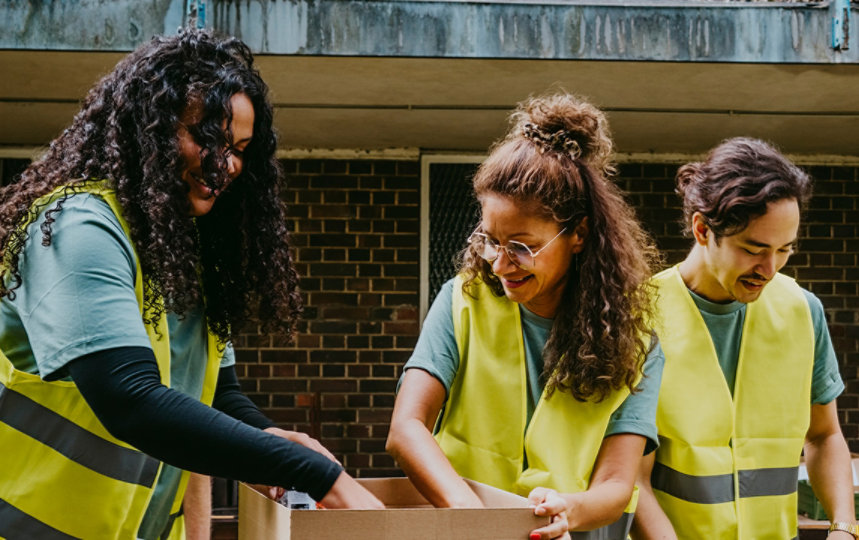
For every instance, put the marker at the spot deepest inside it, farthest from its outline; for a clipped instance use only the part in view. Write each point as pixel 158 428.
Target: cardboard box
pixel 408 515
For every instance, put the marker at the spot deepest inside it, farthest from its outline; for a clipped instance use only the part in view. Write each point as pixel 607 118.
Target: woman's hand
pixel 547 502
pixel 303 440
pixel 347 493
pixel 276 492
pixel 411 444
pixel 272 492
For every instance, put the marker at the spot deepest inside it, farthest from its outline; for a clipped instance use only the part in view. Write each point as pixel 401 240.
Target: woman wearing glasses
pixel 534 368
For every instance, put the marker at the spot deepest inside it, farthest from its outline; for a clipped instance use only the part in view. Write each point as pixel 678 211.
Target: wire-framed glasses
pixel 518 253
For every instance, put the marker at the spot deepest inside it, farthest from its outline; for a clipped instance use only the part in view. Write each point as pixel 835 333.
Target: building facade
pixel 384 109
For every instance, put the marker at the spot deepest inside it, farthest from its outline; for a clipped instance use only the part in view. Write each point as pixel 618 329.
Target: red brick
pixel 334 401
pixel 373 415
pixel 357 460
pixel 358 371
pixel 355 401
pixel 258 371
pixel 283 401
pixel 288 415
pixel 308 370
pixel 337 415
pixel 332 430
pixel 370 299
pixel 283 385
pixel 360 167
pixel 308 341
pixel 283 355
pixel 400 327
pixel 333 385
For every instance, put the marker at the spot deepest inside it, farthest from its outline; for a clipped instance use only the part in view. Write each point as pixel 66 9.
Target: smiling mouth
pixel 198 179
pixel 753 283
pixel 515 283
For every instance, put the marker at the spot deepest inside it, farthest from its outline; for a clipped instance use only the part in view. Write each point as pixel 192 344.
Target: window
pixel 449 213
pixel 10 168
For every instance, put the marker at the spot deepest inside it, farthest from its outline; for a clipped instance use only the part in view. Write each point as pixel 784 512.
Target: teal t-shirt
pixel 725 323
pixel 77 298
pixel 437 354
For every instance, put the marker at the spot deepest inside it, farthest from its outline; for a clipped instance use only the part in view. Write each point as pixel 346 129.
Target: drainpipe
pixel 196 13
pixel 840 13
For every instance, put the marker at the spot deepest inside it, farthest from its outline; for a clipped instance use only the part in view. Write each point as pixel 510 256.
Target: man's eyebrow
pixel 755 243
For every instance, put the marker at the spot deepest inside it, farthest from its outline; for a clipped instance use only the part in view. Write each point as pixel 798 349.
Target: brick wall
pixel 356 236
pixel 355 230
pixel 829 267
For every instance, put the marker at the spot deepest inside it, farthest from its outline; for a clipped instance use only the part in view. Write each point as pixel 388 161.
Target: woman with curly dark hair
pixel 535 353
pixel 147 235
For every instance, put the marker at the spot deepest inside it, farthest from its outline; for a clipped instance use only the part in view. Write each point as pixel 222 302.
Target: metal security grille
pixel 453 214
pixel 10 168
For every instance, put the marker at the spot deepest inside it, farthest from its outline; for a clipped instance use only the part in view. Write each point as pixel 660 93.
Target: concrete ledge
pixel 693 31
pixel 86 25
pixel 771 32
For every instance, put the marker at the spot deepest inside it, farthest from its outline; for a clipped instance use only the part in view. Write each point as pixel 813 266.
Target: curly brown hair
pixel 595 345
pixel 236 259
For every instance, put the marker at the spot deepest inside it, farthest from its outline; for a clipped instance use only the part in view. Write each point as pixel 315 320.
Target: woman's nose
pixel 502 262
pixel 234 166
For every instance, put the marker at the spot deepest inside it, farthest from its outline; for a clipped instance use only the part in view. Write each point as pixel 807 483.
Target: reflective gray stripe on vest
pixel 762 482
pixel 74 442
pixel 697 489
pixel 618 530
pixel 720 488
pixel 16 525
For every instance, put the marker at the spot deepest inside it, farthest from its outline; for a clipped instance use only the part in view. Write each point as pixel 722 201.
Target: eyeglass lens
pixel 517 252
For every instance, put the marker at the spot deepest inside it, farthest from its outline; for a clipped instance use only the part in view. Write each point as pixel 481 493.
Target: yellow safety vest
pixel 62 475
pixel 727 467
pixel 483 427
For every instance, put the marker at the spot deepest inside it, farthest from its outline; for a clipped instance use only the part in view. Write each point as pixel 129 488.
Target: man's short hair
pixel 736 182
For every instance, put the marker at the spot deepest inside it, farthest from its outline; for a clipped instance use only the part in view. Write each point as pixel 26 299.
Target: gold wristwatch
pixel 851 528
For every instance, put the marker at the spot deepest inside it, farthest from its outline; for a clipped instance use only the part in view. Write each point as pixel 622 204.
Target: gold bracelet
pixel 851 528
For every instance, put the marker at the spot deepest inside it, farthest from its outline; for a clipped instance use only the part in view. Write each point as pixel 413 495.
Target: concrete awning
pixel 675 77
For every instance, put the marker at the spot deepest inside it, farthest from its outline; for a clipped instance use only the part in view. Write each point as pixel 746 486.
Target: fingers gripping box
pixel 408 515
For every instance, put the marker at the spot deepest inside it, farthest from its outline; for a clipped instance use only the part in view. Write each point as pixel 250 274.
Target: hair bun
pixel 561 122
pixel 559 141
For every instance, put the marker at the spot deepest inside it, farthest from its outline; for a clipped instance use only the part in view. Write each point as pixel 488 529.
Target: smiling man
pixel 750 376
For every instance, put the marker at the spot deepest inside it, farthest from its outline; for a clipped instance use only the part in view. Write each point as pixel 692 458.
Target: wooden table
pixel 812 529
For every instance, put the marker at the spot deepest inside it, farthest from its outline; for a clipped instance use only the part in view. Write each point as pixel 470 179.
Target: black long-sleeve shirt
pixel 123 388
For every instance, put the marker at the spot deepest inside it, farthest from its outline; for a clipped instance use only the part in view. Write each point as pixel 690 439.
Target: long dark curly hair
pixel 556 156
pixel 236 258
